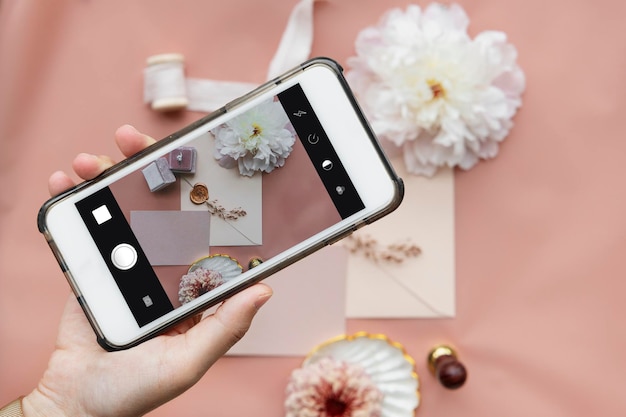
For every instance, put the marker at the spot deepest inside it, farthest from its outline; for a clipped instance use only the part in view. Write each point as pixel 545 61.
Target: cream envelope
pixel 308 306
pixel 421 286
pixel 231 190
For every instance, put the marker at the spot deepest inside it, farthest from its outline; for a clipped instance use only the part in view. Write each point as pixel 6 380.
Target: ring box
pixel 182 160
pixel 158 174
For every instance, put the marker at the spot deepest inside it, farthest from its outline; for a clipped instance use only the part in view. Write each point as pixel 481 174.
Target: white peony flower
pixel 430 89
pixel 258 140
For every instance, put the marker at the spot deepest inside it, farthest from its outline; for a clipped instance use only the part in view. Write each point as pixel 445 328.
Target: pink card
pixel 187 235
pixel 307 308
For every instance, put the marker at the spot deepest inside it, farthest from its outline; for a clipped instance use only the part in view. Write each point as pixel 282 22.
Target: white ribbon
pixel 208 95
pixel 162 80
pixel 295 44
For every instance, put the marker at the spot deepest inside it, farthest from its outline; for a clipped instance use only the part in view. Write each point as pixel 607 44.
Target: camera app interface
pixel 225 201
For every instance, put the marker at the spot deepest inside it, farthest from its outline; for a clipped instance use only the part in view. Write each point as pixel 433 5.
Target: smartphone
pixel 264 181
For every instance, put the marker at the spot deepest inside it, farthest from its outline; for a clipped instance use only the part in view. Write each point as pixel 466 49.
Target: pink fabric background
pixel 540 229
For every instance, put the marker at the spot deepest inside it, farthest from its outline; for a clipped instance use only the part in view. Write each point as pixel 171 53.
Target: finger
pixel 130 140
pixel 58 182
pixel 216 334
pixel 88 166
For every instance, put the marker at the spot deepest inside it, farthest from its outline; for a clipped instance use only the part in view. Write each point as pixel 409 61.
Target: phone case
pixel 183 159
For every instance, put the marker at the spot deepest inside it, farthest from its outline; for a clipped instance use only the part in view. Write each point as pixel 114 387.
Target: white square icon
pixel 101 214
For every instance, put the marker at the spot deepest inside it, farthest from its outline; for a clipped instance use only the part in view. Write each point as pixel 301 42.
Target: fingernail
pixel 87 155
pixel 130 127
pixel 262 300
pixel 84 157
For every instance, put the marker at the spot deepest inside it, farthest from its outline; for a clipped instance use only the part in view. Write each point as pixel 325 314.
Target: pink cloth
pixel 540 229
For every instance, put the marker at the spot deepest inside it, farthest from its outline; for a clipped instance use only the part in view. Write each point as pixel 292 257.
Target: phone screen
pixel 225 200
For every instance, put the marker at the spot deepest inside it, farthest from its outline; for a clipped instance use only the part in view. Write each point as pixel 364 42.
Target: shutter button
pixel 124 256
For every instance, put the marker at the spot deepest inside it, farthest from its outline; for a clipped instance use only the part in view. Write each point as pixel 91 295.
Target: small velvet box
pixel 158 174
pixel 182 160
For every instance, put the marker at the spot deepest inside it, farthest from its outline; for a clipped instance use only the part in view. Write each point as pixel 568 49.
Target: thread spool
pixel 165 86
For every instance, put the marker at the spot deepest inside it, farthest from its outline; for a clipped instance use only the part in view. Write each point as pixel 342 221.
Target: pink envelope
pixel 307 308
pixel 421 286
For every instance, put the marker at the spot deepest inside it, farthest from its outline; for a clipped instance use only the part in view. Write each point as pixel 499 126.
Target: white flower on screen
pixel 258 140
pixel 428 88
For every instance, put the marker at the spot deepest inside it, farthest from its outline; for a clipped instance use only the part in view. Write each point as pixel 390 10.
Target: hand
pixel 84 380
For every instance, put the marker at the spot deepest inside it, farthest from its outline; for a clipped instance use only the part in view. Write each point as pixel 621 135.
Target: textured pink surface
pixel 540 229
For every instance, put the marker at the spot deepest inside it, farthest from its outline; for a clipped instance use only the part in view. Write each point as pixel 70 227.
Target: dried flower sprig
pixel 375 251
pixel 218 210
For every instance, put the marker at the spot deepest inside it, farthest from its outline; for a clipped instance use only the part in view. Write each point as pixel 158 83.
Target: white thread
pixel 296 41
pixel 164 82
pixel 166 89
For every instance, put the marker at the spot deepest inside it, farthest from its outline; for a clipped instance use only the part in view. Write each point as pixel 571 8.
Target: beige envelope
pixel 231 190
pixel 420 286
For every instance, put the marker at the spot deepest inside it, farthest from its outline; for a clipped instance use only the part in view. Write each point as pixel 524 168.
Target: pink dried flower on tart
pixel 332 388
pixel 198 282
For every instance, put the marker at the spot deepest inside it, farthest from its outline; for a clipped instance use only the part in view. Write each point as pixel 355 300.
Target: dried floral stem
pixel 218 210
pixel 372 249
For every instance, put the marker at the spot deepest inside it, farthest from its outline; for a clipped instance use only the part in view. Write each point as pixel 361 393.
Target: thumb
pixel 214 335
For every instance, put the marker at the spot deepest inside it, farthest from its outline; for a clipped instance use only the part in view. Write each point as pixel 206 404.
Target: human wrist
pixel 36 404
